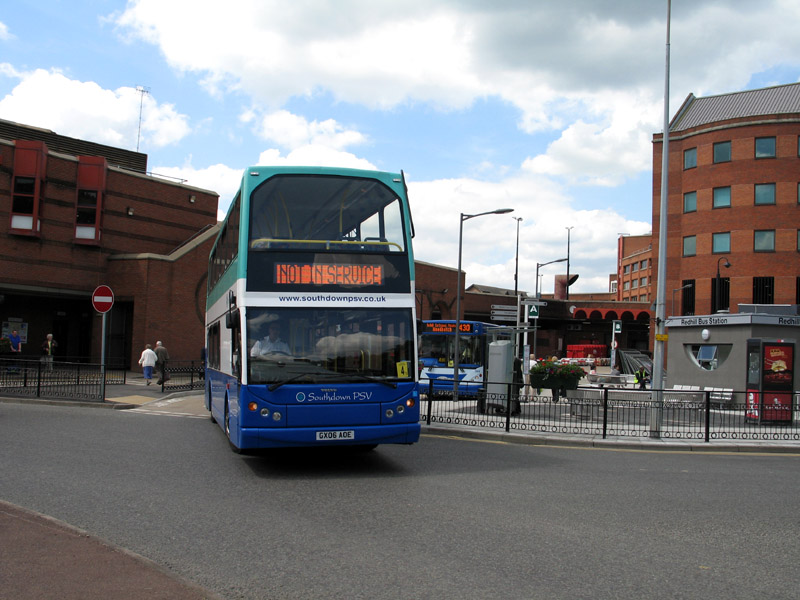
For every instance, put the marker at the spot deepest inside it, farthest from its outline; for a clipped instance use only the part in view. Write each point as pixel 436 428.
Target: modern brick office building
pixel 75 215
pixel 734 178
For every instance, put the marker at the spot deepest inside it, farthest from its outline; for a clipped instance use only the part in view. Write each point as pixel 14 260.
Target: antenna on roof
pixel 141 90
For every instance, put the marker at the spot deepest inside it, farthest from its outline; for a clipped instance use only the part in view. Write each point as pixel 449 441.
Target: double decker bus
pixel 437 349
pixel 310 315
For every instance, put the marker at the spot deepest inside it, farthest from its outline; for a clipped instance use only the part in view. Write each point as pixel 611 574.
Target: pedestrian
pixel 16 342
pixel 516 408
pixel 162 356
pixel 48 351
pixel 148 361
pixel 641 377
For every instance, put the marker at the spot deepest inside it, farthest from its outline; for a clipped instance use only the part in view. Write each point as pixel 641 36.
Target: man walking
pixel 162 356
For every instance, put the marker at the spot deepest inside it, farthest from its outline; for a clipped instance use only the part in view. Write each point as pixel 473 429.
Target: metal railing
pixel 56 380
pixel 184 375
pixel 703 415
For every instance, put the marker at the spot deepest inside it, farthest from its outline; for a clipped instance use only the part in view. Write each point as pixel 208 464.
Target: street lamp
pixel 727 266
pixel 516 286
pixel 683 287
pixel 516 259
pixel 558 260
pixel 499 211
pixel 536 324
pixel 569 230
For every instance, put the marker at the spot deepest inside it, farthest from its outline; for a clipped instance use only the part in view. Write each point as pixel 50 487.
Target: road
pixel 446 518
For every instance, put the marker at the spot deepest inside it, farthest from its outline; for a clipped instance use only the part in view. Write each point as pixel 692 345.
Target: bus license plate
pixel 336 435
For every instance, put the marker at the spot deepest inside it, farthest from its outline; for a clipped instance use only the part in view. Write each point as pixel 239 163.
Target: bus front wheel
pixel 227 421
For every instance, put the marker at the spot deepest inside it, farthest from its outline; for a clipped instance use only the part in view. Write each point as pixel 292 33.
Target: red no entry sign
pixel 102 299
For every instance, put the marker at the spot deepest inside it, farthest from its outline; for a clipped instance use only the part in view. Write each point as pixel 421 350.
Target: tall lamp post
pixel 536 324
pixel 683 287
pixel 727 265
pixel 569 230
pixel 516 287
pixel 499 211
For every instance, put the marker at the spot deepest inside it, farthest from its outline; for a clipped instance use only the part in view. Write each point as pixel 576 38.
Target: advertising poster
pixel 777 382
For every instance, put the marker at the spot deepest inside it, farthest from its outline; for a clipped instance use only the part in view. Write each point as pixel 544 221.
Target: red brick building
pixel 74 215
pixel 734 177
pixel 634 268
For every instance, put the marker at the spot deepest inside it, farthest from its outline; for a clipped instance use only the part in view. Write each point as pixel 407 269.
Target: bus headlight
pixel 410 402
pixel 276 416
pixel 252 407
pixel 400 409
pixel 389 413
pixel 264 412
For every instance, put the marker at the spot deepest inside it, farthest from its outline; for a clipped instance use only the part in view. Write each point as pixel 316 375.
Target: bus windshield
pixel 437 350
pixel 325 212
pixel 319 345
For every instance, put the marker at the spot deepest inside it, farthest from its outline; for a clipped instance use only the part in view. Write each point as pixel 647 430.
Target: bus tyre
pixel 228 430
pixel 208 402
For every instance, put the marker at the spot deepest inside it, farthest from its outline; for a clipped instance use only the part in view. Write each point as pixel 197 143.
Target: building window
pixel 690 158
pixel 690 202
pixel 91 186
pixel 634 283
pixel 635 267
pixel 722 197
pixel 764 241
pixel 30 166
pixel 626 285
pixel 644 264
pixel 765 147
pixel 687 297
pixel 626 269
pixel 86 215
pixel 643 282
pixel 763 290
pixel 765 193
pixel 724 287
pixel 721 242
pixel 613 286
pixel 690 245
pixel 722 152
pixel 710 356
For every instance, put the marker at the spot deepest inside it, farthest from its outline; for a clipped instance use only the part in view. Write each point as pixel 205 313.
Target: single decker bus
pixel 310 313
pixel 437 348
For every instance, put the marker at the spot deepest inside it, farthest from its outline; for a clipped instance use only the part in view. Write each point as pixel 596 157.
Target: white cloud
pixel 5 34
pixel 489 242
pixel 556 62
pixel 83 109
pixel 293 131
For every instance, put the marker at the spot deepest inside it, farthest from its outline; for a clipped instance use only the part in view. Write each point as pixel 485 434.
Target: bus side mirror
pixel 232 319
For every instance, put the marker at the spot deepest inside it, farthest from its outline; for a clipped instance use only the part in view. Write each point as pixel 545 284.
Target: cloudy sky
pixel 545 107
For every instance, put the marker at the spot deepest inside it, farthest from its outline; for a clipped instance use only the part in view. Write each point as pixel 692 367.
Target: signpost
pixel 534 305
pixel 102 301
pixel 503 312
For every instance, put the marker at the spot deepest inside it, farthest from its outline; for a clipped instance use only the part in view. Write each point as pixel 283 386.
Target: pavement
pixel 43 558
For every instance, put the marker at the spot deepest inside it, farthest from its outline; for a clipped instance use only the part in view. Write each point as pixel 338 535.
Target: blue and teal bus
pixel 310 314
pixel 436 350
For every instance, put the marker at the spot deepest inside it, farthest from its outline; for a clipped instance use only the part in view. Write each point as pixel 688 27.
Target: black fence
pixel 184 375
pixel 58 380
pixel 705 415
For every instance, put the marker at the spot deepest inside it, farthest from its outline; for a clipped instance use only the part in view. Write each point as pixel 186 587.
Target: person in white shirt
pixel 272 343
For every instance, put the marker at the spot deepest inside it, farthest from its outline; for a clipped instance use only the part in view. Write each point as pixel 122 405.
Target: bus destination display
pixel 328 274
pixel 439 327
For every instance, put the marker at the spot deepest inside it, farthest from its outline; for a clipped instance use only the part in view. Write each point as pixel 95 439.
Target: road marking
pixel 164 413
